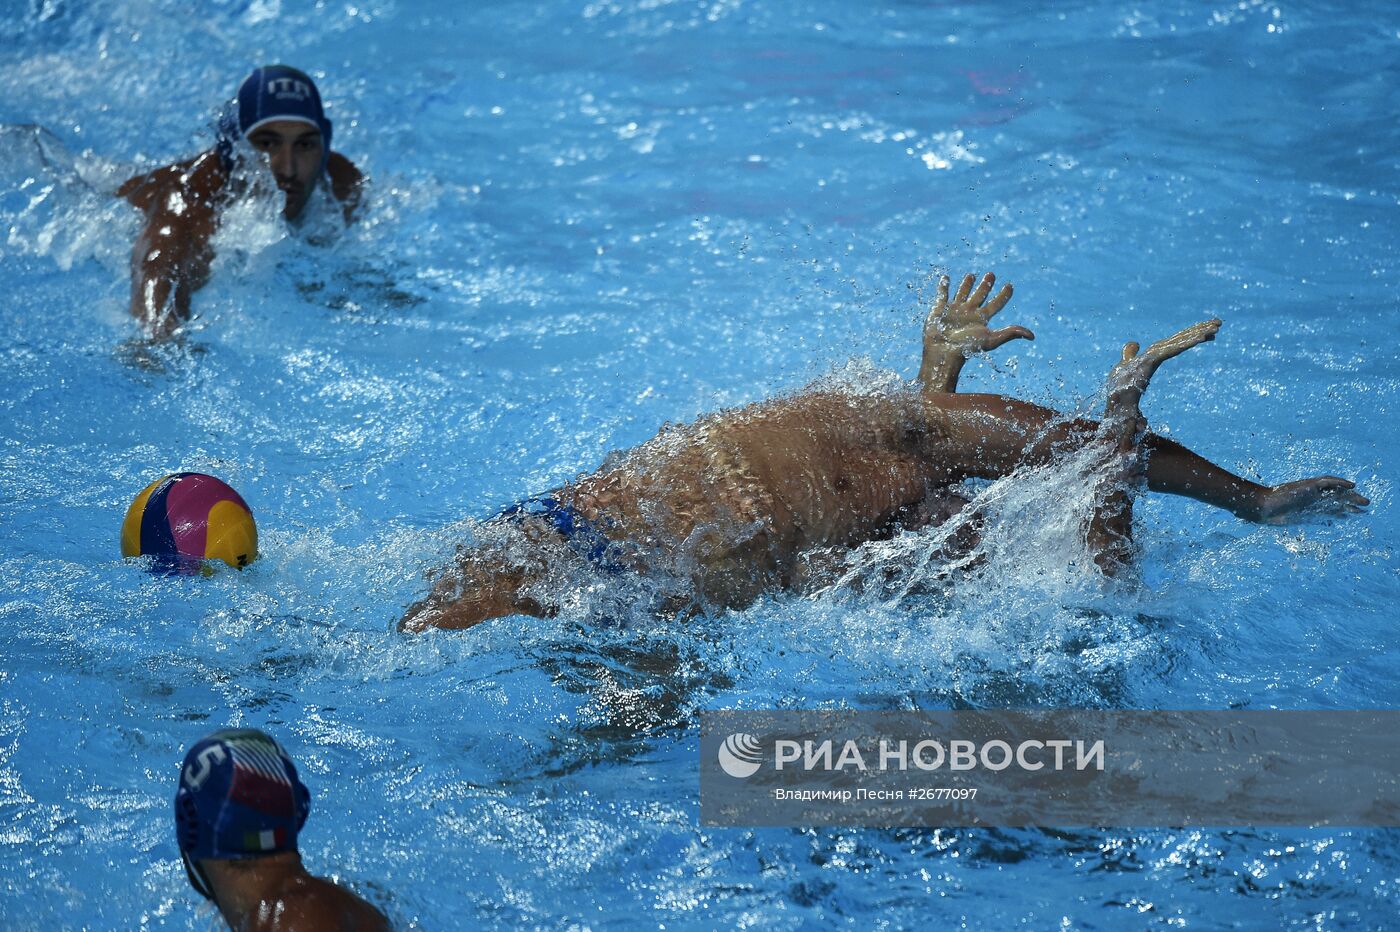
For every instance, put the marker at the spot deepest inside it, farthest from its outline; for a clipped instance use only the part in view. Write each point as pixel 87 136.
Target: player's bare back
pixel 728 507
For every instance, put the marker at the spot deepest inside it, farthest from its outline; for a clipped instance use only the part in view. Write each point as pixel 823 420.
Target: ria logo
pixel 741 755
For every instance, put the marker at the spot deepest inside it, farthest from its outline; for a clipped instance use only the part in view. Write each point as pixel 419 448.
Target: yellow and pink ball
pixel 187 518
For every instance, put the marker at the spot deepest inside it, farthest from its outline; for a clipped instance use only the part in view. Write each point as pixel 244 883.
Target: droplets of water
pixel 59 205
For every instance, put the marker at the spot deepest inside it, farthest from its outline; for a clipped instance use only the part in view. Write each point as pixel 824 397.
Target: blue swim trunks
pixel 581 534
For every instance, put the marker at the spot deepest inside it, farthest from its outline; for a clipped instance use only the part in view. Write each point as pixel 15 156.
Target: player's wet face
pixel 293 150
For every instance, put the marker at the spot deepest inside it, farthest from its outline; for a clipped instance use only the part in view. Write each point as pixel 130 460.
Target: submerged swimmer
pixel 739 503
pixel 238 810
pixel 278 111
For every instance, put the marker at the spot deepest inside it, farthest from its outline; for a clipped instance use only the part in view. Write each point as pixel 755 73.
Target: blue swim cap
pixel 239 797
pixel 273 92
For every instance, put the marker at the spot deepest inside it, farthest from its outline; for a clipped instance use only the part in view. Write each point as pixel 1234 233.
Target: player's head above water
pixel 239 798
pixel 278 111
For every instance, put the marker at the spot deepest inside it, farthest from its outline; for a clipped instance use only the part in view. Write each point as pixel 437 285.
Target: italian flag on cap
pixel 265 840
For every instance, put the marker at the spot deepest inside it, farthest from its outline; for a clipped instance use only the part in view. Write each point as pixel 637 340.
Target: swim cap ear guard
pixel 187 837
pixel 239 797
pixel 272 92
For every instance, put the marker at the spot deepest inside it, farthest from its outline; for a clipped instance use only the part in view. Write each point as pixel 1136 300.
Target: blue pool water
pixel 591 218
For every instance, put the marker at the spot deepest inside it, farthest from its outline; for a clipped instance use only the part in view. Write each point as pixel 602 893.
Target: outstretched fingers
pixel 1339 493
pixel 972 304
pixel 984 288
pixel 1178 343
pixel 1136 368
pixel 998 302
pixel 962 322
pixel 989 308
pixel 969 301
pixel 1320 494
pixel 964 290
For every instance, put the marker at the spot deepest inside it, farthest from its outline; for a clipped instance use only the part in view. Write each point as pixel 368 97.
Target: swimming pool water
pixel 591 218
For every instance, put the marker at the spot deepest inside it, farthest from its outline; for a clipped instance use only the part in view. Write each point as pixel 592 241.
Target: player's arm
pixel 169 262
pixel 171 256
pixel 478 588
pixel 1109 532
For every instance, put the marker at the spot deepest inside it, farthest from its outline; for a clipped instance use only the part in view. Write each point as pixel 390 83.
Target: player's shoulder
pixel 198 179
pixel 313 905
pixel 346 179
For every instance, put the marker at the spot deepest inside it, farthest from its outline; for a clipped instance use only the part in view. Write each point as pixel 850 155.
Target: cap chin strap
pixel 198 879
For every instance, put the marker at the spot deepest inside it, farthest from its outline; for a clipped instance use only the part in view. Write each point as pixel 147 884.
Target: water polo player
pixel 278 113
pixel 238 810
pixel 765 496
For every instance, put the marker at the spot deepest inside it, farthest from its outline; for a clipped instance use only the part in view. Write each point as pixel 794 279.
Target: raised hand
pixel 1129 378
pixel 1109 533
pixel 958 329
